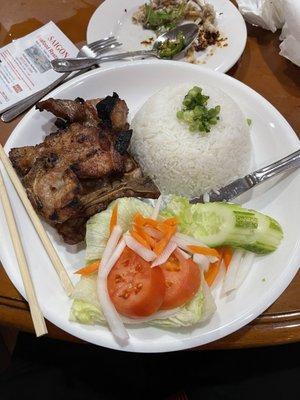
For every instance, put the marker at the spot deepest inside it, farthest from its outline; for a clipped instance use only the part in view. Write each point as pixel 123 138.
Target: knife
pixel 242 185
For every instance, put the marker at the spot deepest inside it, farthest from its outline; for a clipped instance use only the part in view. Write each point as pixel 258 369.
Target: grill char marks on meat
pixel 71 110
pixel 113 111
pixel 123 141
pixel 79 169
pixel 104 109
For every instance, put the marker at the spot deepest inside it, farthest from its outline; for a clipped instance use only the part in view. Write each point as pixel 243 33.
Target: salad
pixel 156 265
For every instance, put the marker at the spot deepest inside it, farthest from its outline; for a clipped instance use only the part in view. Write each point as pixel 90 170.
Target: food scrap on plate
pixel 163 15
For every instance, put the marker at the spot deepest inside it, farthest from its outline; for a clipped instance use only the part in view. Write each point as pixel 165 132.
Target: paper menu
pixel 25 63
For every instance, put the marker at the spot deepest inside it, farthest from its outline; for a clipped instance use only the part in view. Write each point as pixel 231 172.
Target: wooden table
pixel 260 67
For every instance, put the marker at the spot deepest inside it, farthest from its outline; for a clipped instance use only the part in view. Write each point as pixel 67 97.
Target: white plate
pixel 272 138
pixel 111 19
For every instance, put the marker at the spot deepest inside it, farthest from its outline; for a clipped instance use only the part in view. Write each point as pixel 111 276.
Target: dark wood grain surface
pixel 260 67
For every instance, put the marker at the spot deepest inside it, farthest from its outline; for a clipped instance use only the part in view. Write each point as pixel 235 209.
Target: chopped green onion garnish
pixel 196 114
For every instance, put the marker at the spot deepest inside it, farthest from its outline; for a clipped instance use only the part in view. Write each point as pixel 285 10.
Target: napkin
pixel 290 34
pixel 269 14
pixel 273 15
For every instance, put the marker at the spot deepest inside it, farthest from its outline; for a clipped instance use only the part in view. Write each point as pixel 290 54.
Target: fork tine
pixel 101 41
pixel 104 46
pixel 104 39
pixel 100 45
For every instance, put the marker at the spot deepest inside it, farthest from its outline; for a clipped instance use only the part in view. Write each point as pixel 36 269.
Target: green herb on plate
pixel 163 19
pixel 195 112
pixel 169 48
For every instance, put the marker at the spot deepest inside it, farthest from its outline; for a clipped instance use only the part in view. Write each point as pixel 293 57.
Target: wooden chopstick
pixel 36 314
pixel 60 269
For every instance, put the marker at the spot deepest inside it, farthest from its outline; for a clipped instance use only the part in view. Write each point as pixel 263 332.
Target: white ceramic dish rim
pixel 269 297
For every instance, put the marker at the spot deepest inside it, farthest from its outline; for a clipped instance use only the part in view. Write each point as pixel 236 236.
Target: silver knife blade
pixel 242 185
pixel 229 192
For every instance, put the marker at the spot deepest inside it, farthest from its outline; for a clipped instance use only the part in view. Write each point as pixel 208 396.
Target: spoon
pixel 186 34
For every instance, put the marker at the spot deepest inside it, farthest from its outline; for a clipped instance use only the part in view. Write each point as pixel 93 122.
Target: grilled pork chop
pixel 79 169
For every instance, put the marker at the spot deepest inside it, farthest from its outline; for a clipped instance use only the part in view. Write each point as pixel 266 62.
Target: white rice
pixel 185 163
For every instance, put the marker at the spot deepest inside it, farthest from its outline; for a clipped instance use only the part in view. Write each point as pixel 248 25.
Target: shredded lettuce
pixel 86 313
pixel 86 307
pixel 97 227
pixel 180 208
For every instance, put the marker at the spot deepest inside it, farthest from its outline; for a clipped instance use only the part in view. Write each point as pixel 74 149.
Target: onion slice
pixel 156 209
pixel 164 256
pixel 154 233
pixel 111 315
pixel 202 260
pixel 183 241
pixel 188 240
pixel 138 248
pixel 184 254
pixel 244 268
pixel 231 274
pixel 111 244
pixel 218 282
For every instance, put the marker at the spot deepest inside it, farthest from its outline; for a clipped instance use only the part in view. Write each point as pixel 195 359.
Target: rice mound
pixel 185 163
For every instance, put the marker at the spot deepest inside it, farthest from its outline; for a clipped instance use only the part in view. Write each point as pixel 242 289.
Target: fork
pixel 92 49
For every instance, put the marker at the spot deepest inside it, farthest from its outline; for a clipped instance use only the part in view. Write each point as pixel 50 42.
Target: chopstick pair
pixel 37 317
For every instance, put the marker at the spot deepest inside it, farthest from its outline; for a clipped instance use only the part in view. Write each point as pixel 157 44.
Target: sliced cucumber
pixel 219 224
pixel 267 236
pixel 212 223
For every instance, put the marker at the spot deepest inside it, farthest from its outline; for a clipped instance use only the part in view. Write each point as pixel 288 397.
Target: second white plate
pixel 114 17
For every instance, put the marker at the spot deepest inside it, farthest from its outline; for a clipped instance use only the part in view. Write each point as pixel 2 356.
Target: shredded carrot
pixel 171 221
pixel 227 255
pixel 213 270
pixel 152 222
pixel 113 218
pixel 167 229
pixel 89 269
pixel 141 231
pixel 139 239
pixel 161 245
pixel 152 242
pixel 138 219
pixel 207 251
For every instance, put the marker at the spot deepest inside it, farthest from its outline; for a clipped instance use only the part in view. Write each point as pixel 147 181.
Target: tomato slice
pixel 182 281
pixel 136 289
